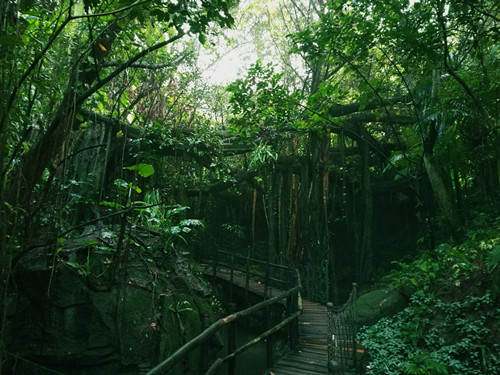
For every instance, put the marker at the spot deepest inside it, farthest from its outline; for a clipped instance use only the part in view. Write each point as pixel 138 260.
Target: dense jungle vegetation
pixel 361 141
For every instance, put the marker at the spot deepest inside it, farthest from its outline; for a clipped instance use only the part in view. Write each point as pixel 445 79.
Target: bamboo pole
pixel 175 358
pixel 231 340
pixel 219 361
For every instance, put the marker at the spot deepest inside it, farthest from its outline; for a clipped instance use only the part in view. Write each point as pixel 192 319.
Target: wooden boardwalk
pixel 255 285
pixel 311 356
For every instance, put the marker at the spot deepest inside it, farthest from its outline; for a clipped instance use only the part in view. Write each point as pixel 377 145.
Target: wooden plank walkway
pixel 255 286
pixel 311 356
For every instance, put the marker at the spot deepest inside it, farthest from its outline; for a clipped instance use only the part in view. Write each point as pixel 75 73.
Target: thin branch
pixel 341 110
pixel 484 13
pixel 151 66
pixel 117 213
pixel 81 98
pixel 79 151
pixel 451 72
pixel 33 66
pixel 110 13
pixel 16 150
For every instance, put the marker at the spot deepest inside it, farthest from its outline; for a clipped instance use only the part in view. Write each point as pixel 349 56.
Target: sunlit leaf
pixel 144 170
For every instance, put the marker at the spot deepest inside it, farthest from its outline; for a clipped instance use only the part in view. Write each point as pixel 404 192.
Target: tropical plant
pixel 449 326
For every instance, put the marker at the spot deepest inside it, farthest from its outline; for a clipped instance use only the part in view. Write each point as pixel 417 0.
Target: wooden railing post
pixel 293 327
pixel 231 280
pixel 270 339
pixel 266 279
pixel 247 279
pixel 166 365
pixel 204 360
pixel 353 322
pixel 231 341
pixel 214 265
pixel 290 308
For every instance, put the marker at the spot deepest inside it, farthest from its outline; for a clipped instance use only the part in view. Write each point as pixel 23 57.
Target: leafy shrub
pixel 451 324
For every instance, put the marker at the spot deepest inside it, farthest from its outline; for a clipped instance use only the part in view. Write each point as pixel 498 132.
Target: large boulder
pixel 378 304
pixel 83 309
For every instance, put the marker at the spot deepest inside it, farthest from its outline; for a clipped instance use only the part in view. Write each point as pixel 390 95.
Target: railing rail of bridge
pixel 273 275
pixel 341 340
pixel 277 276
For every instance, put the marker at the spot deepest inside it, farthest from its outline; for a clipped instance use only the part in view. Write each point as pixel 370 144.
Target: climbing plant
pixel 85 88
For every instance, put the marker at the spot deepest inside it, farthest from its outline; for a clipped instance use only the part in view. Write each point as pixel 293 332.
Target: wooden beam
pixel 175 358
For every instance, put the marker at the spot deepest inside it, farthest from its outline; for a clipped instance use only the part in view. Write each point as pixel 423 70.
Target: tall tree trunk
pixel 271 217
pixel 364 263
pixel 441 194
pixel 318 240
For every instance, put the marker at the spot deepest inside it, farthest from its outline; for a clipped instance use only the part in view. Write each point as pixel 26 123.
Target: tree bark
pixel 441 194
pixel 364 262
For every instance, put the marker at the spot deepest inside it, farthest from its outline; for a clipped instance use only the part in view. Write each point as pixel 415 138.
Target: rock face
pixel 85 309
pixel 378 304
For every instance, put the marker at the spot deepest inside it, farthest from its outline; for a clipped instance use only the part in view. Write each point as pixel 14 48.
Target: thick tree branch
pixel 110 13
pixel 379 117
pixel 223 185
pixel 152 144
pixel 346 109
pixel 82 97
pixel 151 66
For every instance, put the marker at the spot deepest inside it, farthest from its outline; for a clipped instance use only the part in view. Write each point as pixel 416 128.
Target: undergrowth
pixel 451 325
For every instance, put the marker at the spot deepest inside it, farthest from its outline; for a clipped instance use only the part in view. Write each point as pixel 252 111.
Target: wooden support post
pixel 296 305
pixel 165 366
pixel 290 308
pixel 354 325
pixel 214 270
pixel 219 361
pixel 231 280
pixel 327 278
pixel 231 341
pixel 270 339
pixel 247 280
pixel 266 281
pixel 294 326
pixel 204 360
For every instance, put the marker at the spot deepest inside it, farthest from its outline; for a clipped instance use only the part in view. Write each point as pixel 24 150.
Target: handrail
pixel 175 358
pixel 219 361
pixel 341 339
pixel 271 278
pixel 253 259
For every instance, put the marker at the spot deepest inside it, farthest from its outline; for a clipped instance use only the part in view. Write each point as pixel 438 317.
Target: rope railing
pixel 293 310
pixel 341 339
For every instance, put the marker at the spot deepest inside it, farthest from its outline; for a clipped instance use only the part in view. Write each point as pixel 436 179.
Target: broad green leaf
pixel 145 170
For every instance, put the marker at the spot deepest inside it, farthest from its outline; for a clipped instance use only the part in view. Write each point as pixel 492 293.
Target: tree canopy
pixel 362 129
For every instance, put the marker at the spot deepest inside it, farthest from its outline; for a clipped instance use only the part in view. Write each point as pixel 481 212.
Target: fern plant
pixel 493 258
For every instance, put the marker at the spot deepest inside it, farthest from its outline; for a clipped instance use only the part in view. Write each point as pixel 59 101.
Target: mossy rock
pixel 378 304
pixel 111 320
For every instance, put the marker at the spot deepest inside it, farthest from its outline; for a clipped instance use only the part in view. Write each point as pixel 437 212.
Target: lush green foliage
pixel 65 63
pixel 452 323
pixel 261 101
pixel 104 118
